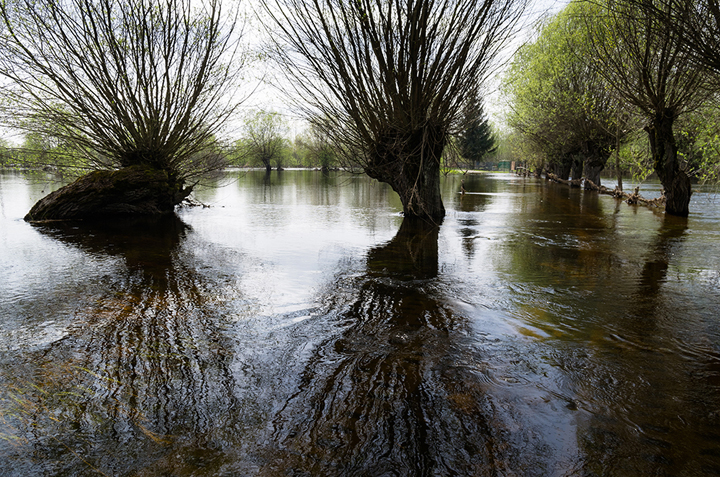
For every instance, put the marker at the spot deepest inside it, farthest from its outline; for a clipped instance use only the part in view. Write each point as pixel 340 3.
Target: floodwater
pixel 299 326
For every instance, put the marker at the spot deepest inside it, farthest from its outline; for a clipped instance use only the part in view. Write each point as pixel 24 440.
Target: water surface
pixel 299 326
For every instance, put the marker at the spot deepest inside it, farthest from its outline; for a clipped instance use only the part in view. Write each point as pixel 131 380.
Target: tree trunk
pixel 594 165
pixel 564 168
pixel 411 166
pixel 664 154
pixel 555 169
pixel 131 191
pixel 592 173
pixel 577 167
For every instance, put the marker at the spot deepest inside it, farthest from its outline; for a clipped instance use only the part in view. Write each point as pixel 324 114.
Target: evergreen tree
pixel 477 139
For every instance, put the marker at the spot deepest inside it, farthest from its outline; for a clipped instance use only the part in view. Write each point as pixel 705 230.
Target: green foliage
pixel 698 138
pixel 299 151
pixel 5 155
pixel 557 100
pixel 40 151
pixel 321 151
pixel 635 157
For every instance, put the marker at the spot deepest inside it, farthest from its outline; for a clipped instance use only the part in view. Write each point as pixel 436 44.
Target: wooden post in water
pixel 617 153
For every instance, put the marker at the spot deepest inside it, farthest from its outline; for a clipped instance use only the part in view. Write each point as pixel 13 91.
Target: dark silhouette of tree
pixel 388 79
pixel 647 64
pixel 125 83
pixel 477 138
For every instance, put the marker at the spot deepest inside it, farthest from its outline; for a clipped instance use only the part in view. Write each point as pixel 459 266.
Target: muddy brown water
pixel 298 326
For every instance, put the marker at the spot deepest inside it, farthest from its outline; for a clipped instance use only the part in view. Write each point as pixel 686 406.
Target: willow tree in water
pixel 387 80
pixel 649 66
pixel 124 82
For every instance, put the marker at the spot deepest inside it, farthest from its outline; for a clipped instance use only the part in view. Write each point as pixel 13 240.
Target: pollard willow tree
pixel 125 83
pixel 649 66
pixel 558 100
pixel 386 80
pixel 263 138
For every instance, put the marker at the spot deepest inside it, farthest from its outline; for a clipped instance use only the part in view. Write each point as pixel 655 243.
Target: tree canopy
pixel 598 69
pixel 122 82
pixel 559 101
pixel 263 139
pixel 646 63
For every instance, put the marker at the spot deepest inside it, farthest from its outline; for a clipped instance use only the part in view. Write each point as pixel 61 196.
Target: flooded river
pixel 299 326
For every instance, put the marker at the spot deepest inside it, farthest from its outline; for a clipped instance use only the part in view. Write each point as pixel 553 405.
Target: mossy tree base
pixel 132 191
pixel 410 164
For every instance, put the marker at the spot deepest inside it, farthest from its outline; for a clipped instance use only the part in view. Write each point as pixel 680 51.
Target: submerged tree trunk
pixel 411 166
pixel 577 167
pixel 592 173
pixel 665 160
pixel 594 165
pixel 564 168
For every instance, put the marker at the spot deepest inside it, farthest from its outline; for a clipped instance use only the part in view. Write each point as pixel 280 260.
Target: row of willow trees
pixel 143 84
pixel 599 71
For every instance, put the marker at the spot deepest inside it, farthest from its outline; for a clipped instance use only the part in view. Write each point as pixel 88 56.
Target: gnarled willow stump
pixel 132 191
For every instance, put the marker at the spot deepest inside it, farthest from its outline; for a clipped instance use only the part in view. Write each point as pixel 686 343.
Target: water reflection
pixel 479 194
pixel 142 383
pixel 386 397
pixel 658 426
pixel 540 331
pixel 670 235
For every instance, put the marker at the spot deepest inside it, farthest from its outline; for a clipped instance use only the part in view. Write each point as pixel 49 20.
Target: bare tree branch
pixel 124 82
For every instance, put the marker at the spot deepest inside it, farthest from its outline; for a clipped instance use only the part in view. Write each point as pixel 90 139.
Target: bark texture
pixel 594 165
pixel 131 191
pixel 411 166
pixel 665 160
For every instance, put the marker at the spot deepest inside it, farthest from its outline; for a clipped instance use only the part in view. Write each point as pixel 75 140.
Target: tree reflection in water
pixel 660 395
pixel 671 233
pixel 143 382
pixel 387 397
